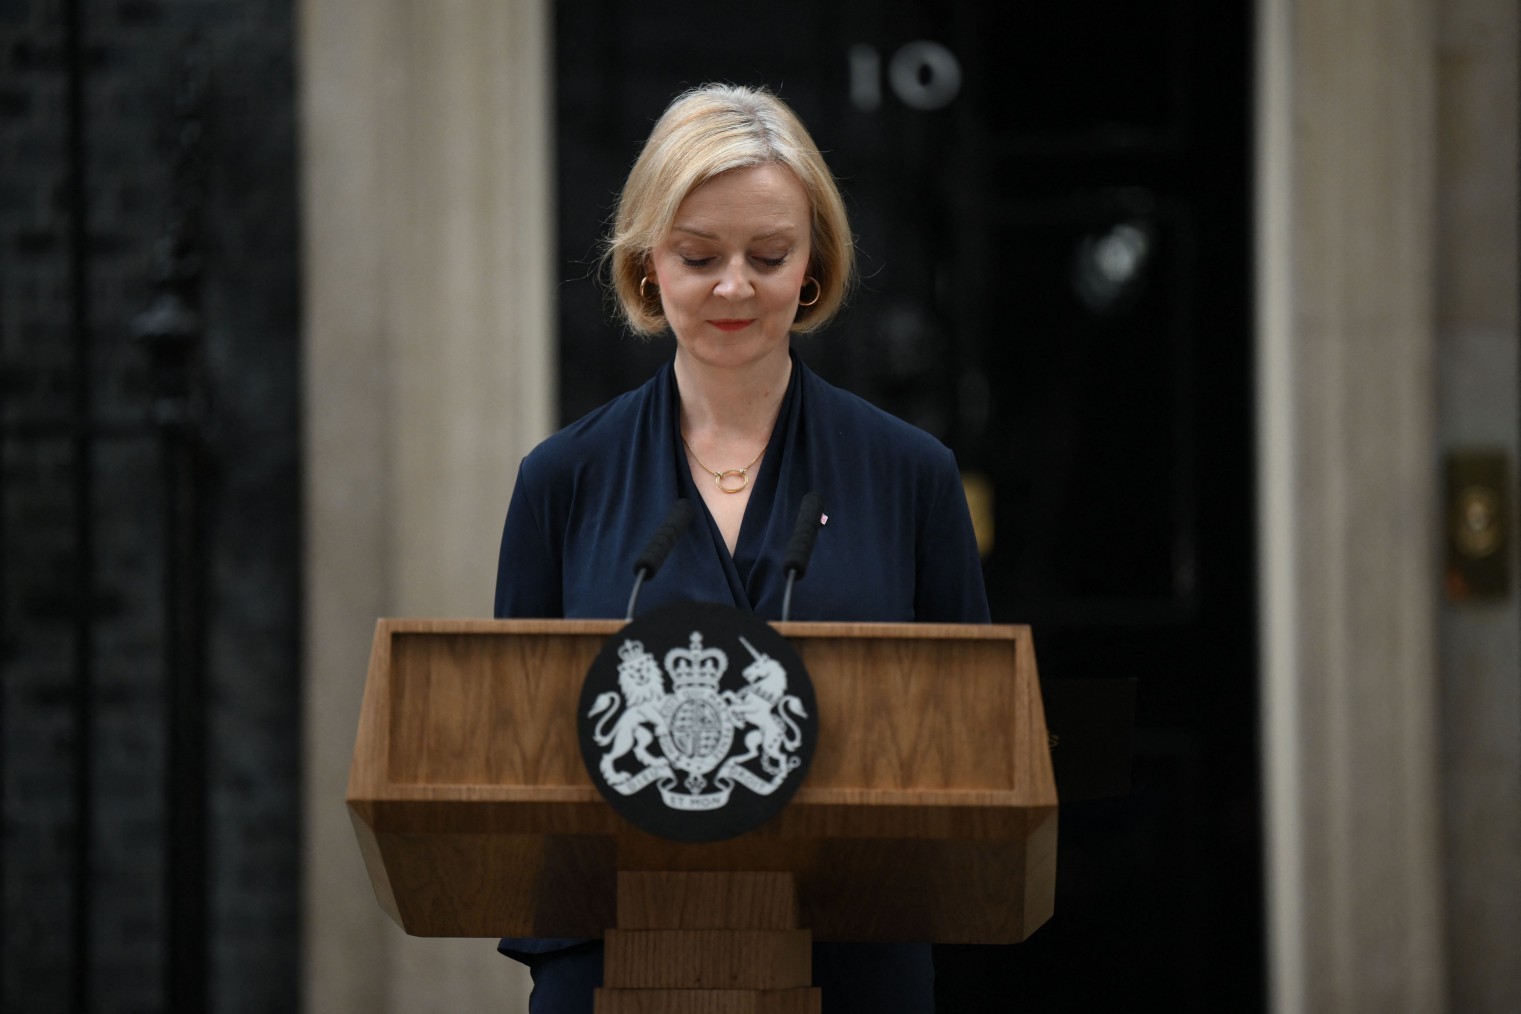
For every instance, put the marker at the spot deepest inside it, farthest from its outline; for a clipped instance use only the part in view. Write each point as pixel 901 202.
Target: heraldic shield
pixel 697 722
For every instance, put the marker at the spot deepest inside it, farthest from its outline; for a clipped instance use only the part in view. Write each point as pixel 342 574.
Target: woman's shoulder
pixel 851 417
pixel 602 433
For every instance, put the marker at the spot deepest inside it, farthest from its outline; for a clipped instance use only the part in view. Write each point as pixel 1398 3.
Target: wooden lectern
pixel 929 813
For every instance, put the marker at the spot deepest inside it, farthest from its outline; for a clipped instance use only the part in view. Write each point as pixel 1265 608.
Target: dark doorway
pixel 1053 205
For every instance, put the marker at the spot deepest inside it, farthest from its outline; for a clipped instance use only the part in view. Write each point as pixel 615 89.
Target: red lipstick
pixel 731 325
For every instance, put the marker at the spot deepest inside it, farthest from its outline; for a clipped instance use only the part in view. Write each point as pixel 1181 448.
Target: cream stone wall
pixel 1387 271
pixel 428 372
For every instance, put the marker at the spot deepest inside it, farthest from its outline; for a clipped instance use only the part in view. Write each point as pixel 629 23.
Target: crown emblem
pixel 696 666
pixel 636 663
pixel 632 654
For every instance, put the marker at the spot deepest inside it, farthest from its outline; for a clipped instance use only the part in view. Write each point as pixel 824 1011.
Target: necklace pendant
pixel 720 478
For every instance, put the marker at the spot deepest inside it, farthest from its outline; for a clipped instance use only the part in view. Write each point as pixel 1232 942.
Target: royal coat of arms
pixel 681 725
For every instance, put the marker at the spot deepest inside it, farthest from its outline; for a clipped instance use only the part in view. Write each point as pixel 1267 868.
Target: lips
pixel 732 325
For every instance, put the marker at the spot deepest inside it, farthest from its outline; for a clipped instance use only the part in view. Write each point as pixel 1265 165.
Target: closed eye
pixel 703 262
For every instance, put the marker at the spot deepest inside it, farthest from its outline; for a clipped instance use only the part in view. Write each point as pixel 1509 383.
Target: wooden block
pixel 669 900
pixel 709 1001
pixel 708 959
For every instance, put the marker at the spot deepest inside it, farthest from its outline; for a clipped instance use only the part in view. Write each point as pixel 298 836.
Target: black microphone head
pixel 810 516
pixel 811 509
pixel 676 521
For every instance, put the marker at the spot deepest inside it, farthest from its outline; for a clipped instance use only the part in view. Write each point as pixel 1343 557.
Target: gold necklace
pixel 719 477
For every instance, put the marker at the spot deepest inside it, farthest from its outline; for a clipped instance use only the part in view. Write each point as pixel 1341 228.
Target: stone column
pixel 1346 156
pixel 428 369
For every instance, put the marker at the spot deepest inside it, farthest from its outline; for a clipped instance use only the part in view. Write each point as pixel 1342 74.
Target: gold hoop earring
pixel 818 292
pixel 642 283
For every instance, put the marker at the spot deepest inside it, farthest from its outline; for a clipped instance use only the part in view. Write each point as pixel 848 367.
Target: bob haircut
pixel 705 132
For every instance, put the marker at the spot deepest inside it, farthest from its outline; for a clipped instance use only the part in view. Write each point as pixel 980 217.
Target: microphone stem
pixel 787 595
pixel 633 596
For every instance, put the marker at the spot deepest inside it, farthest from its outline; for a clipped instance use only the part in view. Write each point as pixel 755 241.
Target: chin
pixel 734 352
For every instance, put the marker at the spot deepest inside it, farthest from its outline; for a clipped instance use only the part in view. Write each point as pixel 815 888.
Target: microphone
pixel 676 521
pixel 810 517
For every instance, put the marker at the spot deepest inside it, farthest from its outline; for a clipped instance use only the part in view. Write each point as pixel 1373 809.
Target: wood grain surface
pixel 709 1001
pixel 661 899
pixel 932 777
pixel 707 959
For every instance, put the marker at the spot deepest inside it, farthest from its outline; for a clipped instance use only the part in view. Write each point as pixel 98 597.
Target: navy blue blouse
pixel 897 546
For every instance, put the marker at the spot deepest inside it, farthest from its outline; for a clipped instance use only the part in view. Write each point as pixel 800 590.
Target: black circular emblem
pixel 697 722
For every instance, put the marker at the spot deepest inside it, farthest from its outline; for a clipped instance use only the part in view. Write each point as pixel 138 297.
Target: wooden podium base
pixel 707 943
pixel 708 1001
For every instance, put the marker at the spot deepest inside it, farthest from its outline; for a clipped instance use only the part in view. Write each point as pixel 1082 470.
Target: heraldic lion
pixel 643 687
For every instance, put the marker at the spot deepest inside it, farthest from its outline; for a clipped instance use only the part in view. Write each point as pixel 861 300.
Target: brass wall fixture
pixel 1479 521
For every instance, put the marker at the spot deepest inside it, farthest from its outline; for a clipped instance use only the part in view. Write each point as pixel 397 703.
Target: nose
pixel 734 280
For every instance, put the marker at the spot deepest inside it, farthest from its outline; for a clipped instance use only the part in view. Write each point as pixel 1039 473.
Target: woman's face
pixel 731 270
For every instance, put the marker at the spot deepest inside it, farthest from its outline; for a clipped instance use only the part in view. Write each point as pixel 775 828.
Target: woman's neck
pixel 726 403
pixel 727 414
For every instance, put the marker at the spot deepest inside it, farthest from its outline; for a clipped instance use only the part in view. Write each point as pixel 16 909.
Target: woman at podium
pixel 731 236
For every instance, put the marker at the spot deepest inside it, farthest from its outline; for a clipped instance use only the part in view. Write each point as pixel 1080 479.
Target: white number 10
pixel 923 74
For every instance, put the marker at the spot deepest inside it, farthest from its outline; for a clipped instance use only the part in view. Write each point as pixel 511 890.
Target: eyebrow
pixel 701 234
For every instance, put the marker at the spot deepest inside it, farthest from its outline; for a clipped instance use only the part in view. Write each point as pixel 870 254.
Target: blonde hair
pixel 703 133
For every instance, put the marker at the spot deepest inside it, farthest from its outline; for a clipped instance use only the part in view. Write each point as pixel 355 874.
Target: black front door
pixel 1052 207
